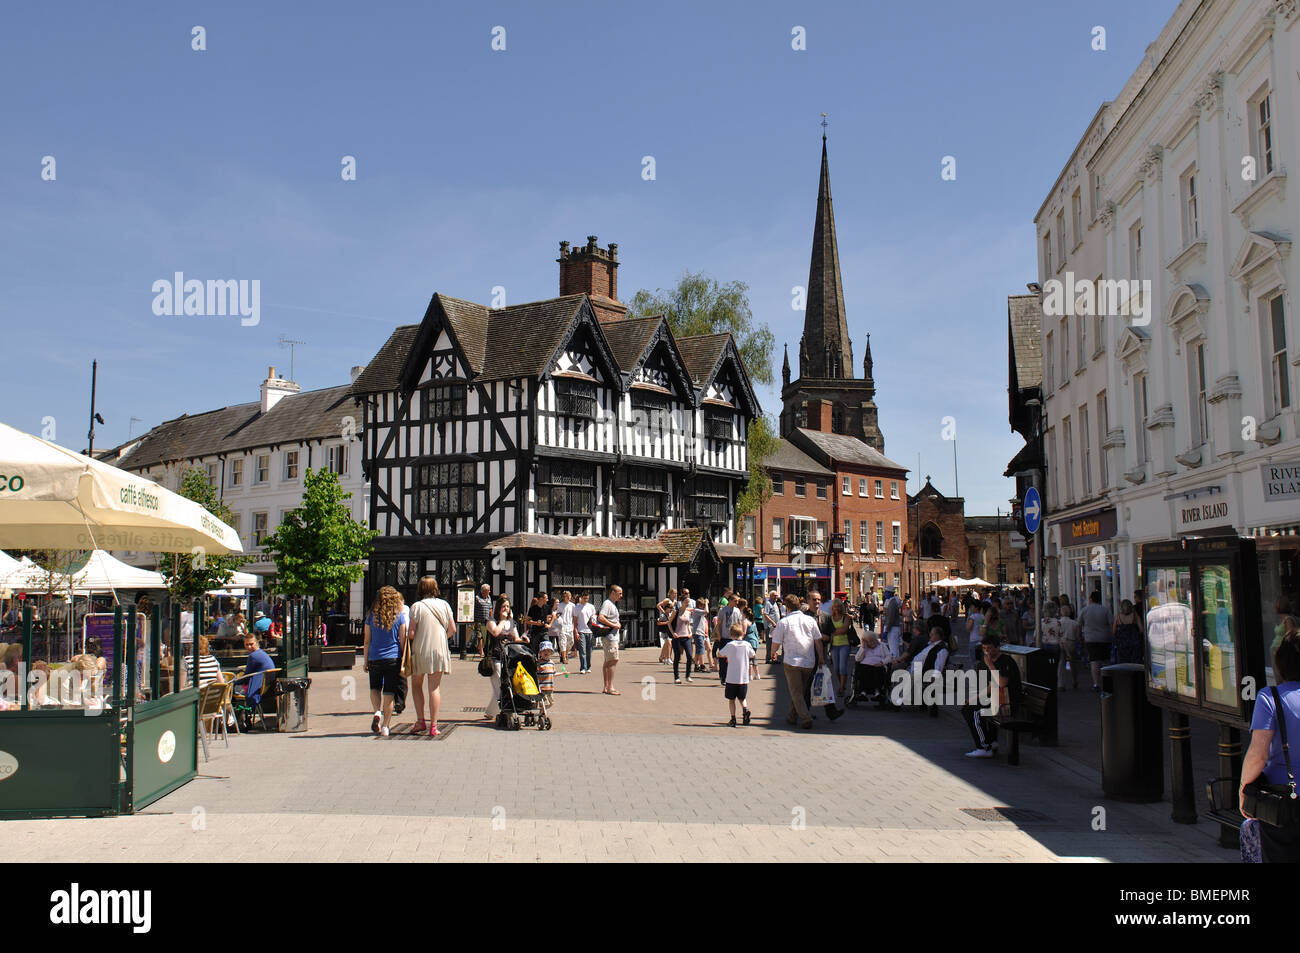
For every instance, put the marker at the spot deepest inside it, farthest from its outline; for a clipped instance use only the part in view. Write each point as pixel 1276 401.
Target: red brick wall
pixel 856 508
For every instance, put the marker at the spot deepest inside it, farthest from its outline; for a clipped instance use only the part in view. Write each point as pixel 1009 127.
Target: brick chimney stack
pixel 820 416
pixel 593 271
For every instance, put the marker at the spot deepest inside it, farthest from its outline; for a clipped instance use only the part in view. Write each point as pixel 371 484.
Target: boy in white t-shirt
pixel 738 654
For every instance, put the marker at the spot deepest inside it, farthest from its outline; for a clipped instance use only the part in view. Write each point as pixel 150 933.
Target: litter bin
pixel 336 629
pixel 1035 664
pixel 291 704
pixel 1132 753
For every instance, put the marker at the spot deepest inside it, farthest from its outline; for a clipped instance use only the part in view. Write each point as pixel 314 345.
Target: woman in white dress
pixel 431 621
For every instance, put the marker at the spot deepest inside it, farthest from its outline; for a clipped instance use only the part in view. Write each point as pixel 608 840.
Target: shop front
pixel 1090 557
pixel 787 579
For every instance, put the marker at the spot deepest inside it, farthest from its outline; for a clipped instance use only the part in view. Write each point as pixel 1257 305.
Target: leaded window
pixel 641 492
pixel 566 488
pixel 711 501
pixel 575 398
pixel 717 424
pixel 446 401
pixel 445 489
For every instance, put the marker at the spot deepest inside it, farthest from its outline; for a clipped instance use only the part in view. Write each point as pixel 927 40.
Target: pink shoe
pixel 420 727
pixel 433 732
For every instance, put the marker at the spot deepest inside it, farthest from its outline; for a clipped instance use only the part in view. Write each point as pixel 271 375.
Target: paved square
pixel 653 774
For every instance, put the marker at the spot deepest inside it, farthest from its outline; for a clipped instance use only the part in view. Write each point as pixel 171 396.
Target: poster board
pixel 465 604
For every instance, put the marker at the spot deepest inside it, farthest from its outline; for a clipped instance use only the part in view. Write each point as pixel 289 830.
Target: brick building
pixel 936 539
pixel 993 541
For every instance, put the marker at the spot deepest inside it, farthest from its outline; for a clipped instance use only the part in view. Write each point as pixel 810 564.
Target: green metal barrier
pixel 118 758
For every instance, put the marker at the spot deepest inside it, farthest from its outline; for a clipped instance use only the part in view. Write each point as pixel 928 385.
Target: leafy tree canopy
pixel 319 550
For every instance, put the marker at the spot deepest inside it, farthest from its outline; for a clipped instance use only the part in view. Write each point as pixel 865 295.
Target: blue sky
pixel 473 164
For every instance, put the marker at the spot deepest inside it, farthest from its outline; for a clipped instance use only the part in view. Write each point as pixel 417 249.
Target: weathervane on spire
pixel 823 126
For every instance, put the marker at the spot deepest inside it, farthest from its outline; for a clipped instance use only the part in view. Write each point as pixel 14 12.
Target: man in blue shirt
pixel 258 661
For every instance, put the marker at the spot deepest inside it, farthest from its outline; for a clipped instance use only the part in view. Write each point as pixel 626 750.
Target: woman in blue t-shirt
pixel 386 633
pixel 1265 757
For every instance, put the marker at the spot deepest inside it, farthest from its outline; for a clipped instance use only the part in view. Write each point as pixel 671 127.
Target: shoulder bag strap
pixel 1286 748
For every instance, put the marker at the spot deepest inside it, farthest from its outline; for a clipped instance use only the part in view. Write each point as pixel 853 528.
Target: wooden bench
pixel 1035 714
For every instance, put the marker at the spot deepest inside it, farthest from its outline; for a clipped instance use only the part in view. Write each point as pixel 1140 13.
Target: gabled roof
pixel 629 339
pixel 313 415
pixel 523 340
pixel 384 371
pixel 704 355
pixel 790 458
pixel 634 340
pixel 831 448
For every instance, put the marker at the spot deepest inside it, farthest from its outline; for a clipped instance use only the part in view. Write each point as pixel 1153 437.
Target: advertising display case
pixel 1205 656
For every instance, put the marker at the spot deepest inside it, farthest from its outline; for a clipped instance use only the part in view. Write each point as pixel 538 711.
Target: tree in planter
pixel 699 305
pixel 189 575
pixel 319 549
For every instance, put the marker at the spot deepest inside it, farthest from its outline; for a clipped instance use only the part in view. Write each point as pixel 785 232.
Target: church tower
pixel 825 349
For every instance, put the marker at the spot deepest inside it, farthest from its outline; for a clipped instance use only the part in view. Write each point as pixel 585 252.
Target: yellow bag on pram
pixel 523 683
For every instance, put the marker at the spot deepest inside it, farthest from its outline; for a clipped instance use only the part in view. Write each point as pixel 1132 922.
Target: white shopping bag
pixel 823 687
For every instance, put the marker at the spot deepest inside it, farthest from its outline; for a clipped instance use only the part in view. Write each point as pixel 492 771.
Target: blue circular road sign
pixel 1033 510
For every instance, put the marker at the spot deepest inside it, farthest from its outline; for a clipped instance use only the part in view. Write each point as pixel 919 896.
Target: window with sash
pixel 750 533
pixel 566 488
pixel 1275 342
pixel 445 489
pixel 338 459
pixel 640 493
pixel 802 532
pixel 864 536
pixel 575 398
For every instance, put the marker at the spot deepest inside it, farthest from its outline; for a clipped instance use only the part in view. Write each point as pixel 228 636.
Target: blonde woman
pixel 663 610
pixel 386 632
pixel 431 620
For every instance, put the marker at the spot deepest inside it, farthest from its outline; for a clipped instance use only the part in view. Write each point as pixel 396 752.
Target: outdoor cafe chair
pixel 210 707
pixel 242 706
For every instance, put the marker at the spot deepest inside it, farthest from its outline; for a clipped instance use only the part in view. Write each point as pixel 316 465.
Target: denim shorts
pixel 701 643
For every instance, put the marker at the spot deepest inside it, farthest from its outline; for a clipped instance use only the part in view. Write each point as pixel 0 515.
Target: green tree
pixel 189 575
pixel 319 550
pixel 697 304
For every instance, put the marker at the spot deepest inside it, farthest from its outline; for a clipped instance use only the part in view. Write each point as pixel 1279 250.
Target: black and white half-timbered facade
pixel 556 445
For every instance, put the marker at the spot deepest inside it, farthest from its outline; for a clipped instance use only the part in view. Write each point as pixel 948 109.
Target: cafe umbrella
pixel 53 498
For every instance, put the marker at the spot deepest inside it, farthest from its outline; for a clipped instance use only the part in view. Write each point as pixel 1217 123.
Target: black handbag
pixel 1276 805
pixel 485 667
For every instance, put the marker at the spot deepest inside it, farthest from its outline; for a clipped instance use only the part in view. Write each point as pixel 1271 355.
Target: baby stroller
pixel 517 708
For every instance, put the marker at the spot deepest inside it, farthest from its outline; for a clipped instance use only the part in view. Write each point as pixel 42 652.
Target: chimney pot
pixel 270 372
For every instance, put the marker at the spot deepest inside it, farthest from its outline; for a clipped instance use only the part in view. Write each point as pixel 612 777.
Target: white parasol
pixel 53 498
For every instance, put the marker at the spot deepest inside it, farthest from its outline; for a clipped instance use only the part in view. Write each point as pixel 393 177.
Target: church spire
pixel 867 363
pixel 825 326
pixel 785 368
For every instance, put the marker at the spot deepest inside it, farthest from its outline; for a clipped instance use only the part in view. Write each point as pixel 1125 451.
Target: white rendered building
pixel 1166 427
pixel 256 455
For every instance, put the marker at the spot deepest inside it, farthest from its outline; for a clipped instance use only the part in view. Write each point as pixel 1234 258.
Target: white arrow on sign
pixel 1032 509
